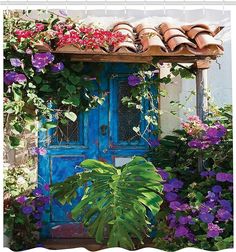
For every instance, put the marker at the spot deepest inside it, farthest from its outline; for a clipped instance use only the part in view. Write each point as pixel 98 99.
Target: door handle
pixel 103 129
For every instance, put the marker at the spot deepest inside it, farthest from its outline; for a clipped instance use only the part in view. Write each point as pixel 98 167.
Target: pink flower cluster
pixel 23 34
pixel 203 136
pixel 86 37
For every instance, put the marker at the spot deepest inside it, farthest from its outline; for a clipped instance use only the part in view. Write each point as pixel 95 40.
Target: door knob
pixel 103 129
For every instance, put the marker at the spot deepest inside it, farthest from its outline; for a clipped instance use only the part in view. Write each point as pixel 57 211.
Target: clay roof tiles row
pixel 162 40
pixel 167 38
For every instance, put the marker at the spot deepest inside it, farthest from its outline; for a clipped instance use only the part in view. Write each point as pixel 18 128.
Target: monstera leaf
pixel 116 201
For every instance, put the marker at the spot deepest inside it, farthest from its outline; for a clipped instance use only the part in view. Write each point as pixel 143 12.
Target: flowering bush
pixel 198 207
pixel 23 207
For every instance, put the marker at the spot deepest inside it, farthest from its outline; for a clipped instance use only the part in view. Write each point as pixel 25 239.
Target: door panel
pixel 105 133
pixel 61 168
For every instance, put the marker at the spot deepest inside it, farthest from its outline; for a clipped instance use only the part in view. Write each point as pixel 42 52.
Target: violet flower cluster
pixel 214 210
pixel 39 62
pixel 34 205
pixel 203 136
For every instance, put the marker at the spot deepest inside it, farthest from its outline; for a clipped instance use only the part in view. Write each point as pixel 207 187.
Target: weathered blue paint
pixel 95 142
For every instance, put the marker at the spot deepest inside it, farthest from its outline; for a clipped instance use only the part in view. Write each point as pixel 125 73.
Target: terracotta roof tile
pixel 205 39
pixel 192 33
pixel 175 42
pixel 163 39
pixel 173 33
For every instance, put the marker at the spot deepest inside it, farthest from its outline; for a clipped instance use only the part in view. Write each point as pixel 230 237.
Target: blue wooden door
pixel 105 133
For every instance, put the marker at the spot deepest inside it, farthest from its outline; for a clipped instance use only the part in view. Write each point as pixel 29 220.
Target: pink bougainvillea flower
pixel 39 27
pixel 38 151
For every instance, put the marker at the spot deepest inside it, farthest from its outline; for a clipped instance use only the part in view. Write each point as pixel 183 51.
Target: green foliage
pixel 116 201
pixel 45 93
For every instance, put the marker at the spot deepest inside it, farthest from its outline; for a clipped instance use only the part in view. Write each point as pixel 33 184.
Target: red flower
pixel 39 27
pixel 23 34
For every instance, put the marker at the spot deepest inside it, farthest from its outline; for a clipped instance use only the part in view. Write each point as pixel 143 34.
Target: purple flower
pixel 38 224
pixel 183 220
pixel 217 189
pixel 9 77
pixel 27 210
pixel 204 208
pixel 44 199
pixel 223 177
pixel 20 78
pixel 168 187
pixel 181 231
pixel 213 230
pixel 195 144
pixel 21 199
pixel 211 196
pixel 176 183
pixel 212 133
pixel 191 237
pixel 170 196
pixel 226 204
pixel 134 80
pixel 172 220
pixel 164 174
pixel 210 203
pixel 153 143
pixel 223 215
pixel 204 174
pixel 37 216
pixel 206 217
pixel 47 187
pixel 41 60
pixel 15 62
pixel 37 192
pixel 177 206
pixel 57 67
pixel 211 173
pixel 221 130
pixel 40 209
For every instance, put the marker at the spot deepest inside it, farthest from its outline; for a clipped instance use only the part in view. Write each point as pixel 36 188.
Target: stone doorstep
pixel 88 243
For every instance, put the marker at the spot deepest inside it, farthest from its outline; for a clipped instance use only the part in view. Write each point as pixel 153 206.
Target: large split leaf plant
pixel 115 201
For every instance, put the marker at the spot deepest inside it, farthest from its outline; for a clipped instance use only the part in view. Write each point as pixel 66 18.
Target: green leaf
pixel 74 79
pixel 117 200
pixel 37 79
pixel 14 141
pixel 16 89
pixel 17 128
pixel 71 116
pixel 70 88
pixel 49 125
pixel 46 88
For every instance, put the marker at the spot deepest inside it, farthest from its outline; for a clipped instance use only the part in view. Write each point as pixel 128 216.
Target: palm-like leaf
pixel 117 200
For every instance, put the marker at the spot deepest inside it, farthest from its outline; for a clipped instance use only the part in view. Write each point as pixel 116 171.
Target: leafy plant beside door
pixel 115 201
